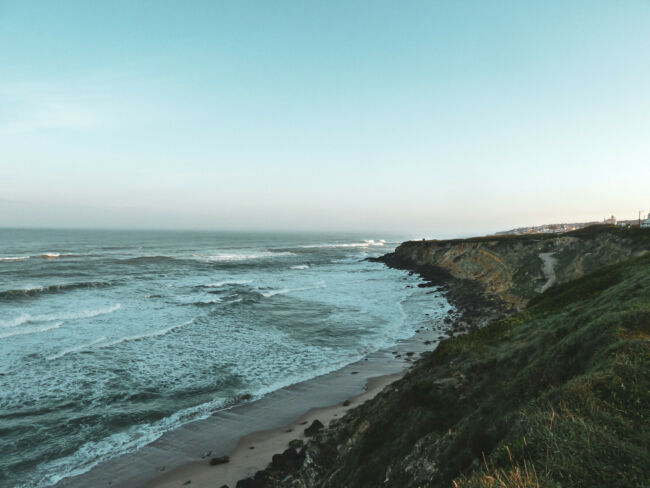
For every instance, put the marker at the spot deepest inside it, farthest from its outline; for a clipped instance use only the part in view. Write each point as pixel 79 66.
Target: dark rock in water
pixel 410 353
pixel 206 454
pixel 354 372
pixel 303 423
pixel 427 343
pixel 224 486
pixel 296 443
pixel 315 426
pixel 289 430
pixel 219 460
pixel 252 447
pixel 187 482
pixel 246 396
pixel 346 403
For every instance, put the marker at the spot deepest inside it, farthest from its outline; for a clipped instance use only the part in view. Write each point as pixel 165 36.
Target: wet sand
pixel 255 451
pixel 184 453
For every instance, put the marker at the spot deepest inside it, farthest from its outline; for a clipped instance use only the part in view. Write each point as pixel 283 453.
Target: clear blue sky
pixel 432 117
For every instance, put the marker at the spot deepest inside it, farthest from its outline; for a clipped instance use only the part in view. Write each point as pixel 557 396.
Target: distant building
pixel 646 223
pixel 610 221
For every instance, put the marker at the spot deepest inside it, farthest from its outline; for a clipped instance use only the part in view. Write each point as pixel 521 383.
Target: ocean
pixel 108 339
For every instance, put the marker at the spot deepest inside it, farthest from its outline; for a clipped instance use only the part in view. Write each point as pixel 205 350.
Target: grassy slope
pixel 557 395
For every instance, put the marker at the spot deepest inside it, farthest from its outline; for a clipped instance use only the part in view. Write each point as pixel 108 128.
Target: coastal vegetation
pixel 554 394
pixel 511 267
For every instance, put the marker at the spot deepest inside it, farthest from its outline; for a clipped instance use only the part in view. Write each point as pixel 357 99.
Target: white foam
pixel 272 293
pixel 14 258
pixel 31 331
pixel 207 302
pixel 85 314
pixel 300 266
pixel 284 291
pixel 156 333
pixel 92 453
pixel 51 255
pixel 33 288
pixel 233 257
pixel 219 284
pixel 364 244
pixel 78 348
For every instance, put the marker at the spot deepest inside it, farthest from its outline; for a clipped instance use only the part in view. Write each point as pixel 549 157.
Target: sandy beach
pixel 267 425
pixel 255 450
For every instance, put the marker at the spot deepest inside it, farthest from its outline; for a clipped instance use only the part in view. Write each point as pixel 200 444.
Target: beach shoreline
pixel 255 450
pixel 184 454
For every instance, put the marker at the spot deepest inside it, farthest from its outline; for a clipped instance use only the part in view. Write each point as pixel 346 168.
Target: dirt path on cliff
pixel 548 268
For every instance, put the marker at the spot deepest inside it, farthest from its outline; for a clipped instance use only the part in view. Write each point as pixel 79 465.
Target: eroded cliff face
pixel 516 268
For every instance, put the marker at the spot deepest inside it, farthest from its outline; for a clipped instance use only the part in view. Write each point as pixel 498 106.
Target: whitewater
pixel 108 339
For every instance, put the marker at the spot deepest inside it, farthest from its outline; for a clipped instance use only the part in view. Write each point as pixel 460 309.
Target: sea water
pixel 110 338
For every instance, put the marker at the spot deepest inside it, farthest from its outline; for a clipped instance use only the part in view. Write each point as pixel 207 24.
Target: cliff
pixel 555 394
pixel 516 268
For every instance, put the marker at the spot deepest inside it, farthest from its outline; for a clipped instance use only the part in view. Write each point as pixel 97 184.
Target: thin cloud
pixel 33 107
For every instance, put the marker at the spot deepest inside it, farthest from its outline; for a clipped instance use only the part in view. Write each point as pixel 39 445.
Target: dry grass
pixel 515 477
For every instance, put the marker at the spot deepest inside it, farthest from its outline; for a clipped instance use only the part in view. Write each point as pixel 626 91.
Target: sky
pixel 436 118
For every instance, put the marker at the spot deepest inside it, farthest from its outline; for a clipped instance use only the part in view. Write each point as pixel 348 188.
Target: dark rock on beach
pixel 315 426
pixel 290 459
pixel 249 483
pixel 219 460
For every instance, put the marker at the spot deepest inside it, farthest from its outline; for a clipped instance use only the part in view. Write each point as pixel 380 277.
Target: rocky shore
pixel 473 307
pixel 529 371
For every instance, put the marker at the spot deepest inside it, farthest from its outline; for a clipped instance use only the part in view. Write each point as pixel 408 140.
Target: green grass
pixel 635 234
pixel 557 395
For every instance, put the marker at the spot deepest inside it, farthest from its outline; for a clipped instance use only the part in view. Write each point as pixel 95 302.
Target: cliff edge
pixel 555 393
pixel 516 268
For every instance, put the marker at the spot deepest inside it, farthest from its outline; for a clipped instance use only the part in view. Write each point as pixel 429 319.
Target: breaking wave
pixel 140 337
pixel 235 257
pixel 31 331
pixel 84 314
pixel 80 347
pixel 284 291
pixel 14 258
pixel 41 290
pixel 220 284
pixel 365 243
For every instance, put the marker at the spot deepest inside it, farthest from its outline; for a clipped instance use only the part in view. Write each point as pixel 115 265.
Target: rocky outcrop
pixel 514 269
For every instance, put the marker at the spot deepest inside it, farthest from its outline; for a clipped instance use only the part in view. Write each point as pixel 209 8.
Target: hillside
pixel 555 395
pixel 516 268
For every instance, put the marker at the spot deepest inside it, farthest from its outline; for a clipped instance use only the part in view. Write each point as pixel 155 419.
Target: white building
pixel 646 223
pixel 610 221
